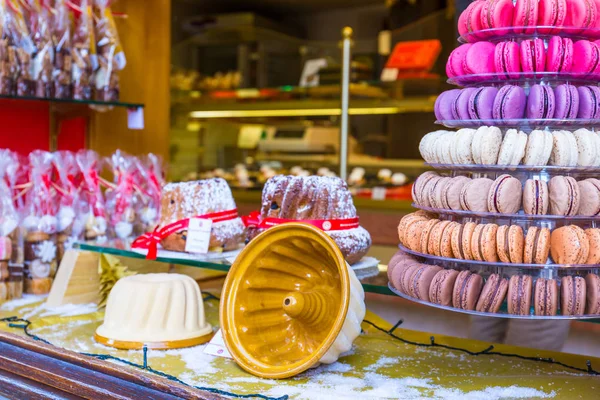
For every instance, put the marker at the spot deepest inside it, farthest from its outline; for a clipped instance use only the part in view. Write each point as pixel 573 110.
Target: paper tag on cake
pixel 198 236
pixel 378 193
pixel 135 118
pixel 216 346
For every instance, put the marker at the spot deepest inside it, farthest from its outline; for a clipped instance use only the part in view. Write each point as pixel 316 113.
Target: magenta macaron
pixel 567 102
pixel 470 20
pixel 540 102
pixel 559 57
pixel 509 103
pixel 533 56
pixel 586 58
pixel 507 60
pixel 480 59
pixel 454 66
pixel 589 102
pixel 581 14
pixel 525 15
pixel 497 14
pixel 552 13
pixel 481 103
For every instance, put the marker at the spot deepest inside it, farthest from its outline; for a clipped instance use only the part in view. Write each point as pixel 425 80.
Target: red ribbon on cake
pixel 254 220
pixel 151 240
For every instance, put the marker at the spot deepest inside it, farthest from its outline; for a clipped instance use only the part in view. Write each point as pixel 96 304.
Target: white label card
pixel 198 236
pixel 216 346
pixel 135 118
pixel 378 193
pixel 389 75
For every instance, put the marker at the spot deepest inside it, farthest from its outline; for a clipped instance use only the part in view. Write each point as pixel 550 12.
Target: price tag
pixel 198 236
pixel 216 346
pixel 135 118
pixel 378 193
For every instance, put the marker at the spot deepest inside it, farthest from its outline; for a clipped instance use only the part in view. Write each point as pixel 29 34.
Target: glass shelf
pixel 73 101
pixel 372 284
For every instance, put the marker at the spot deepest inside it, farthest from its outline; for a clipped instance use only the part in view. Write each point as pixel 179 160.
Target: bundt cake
pixel 316 198
pixel 193 199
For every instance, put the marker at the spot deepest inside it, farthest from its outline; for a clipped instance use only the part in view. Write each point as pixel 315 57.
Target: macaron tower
pixel 508 220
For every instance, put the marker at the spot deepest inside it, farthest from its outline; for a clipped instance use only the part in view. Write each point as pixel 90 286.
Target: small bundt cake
pixel 316 198
pixel 192 199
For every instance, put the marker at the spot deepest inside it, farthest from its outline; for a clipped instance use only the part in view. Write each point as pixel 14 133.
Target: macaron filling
pixel 480 244
pixel 460 240
pixel 415 284
pixel 463 291
pixel 571 191
pixel 520 293
pixel 562 49
pixel 476 101
pixel 489 304
pixel 545 296
pixel 536 204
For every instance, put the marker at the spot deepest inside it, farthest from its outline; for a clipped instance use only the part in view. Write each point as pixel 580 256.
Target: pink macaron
pixel 525 15
pixel 586 56
pixel 497 14
pixel 559 57
pixel 581 14
pixel 533 56
pixel 470 21
pixel 552 13
pixel 480 59
pixel 454 66
pixel 507 60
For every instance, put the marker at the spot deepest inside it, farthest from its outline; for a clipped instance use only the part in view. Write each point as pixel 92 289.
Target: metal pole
pixel 346 44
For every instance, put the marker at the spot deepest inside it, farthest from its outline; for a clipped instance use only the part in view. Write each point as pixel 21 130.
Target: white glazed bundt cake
pixel 192 199
pixel 316 198
pixel 154 309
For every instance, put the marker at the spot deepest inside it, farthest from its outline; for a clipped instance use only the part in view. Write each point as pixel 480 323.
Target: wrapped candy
pixel 83 52
pixel 111 57
pixel 41 225
pixel 11 244
pixel 61 34
pixel 123 198
pixel 40 21
pixel 150 181
pixel 92 199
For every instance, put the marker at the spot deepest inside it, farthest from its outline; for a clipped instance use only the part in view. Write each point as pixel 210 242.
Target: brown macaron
pixel 535 197
pixel 446 243
pixel 564 196
pixel 545 297
pixel 471 198
pixel 418 186
pixel 442 286
pixel 510 242
pixel 466 290
pixel 451 193
pixel 483 243
pixel 493 294
pixel 572 295
pixel 592 282
pixel 519 294
pixel 569 245
pixel 401 276
pixel 435 195
pixel 467 237
pixel 537 245
pixel 420 281
pixel 593 235
pixel 425 234
pixel 504 195
pixel 435 238
pixel 405 221
pixel 428 189
pixel 457 241
pixel 589 203
pixel 399 260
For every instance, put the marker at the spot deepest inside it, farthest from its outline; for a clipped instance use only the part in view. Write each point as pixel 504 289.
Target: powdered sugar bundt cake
pixel 316 198
pixel 193 199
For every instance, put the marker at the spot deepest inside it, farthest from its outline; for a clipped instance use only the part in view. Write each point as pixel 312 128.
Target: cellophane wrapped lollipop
pixel 92 199
pixel 11 244
pixel 150 181
pixel 41 225
pixel 123 198
pixel 71 221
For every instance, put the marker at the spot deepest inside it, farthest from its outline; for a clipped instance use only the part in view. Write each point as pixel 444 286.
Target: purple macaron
pixel 540 103
pixel 460 106
pixel 509 103
pixel 481 103
pixel 567 102
pixel 443 104
pixel 589 102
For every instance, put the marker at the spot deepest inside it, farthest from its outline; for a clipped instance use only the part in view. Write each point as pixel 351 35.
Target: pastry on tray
pixel 202 198
pixel 316 198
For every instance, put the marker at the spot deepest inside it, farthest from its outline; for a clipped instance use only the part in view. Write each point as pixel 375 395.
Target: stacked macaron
pixel 467 290
pixel 470 63
pixel 487 146
pixel 526 16
pixel 510 102
pixel 423 233
pixel 561 196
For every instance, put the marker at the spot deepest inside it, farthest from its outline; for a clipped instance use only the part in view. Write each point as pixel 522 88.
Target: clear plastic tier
pixel 523 124
pixel 524 79
pixel 518 33
pixel 501 314
pixel 529 169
